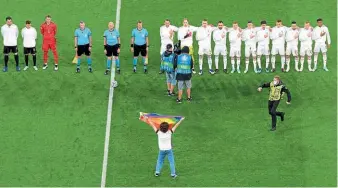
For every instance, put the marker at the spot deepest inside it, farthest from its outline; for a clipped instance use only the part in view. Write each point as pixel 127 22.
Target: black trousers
pixel 272 107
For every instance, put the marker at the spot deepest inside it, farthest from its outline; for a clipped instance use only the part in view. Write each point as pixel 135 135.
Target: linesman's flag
pixel 75 60
pixel 157 119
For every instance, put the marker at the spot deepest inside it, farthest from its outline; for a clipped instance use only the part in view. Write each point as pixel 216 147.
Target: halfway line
pixel 110 107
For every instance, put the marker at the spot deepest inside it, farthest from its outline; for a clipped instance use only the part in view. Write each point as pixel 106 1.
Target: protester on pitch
pixel 277 88
pixel 164 142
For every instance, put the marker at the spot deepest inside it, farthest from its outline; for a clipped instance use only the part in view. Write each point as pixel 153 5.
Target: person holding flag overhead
pixel 164 133
pixel 167 65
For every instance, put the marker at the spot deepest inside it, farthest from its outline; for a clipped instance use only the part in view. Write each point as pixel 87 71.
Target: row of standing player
pixel 10 33
pixel 257 41
pixel 140 43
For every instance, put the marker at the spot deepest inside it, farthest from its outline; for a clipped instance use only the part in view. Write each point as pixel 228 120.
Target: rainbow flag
pixel 157 119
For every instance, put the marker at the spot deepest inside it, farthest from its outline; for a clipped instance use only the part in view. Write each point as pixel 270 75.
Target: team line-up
pixel 256 39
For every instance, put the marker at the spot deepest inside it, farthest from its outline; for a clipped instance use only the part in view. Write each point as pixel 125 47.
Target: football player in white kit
pixel 167 36
pixel 249 37
pixel 322 39
pixel 292 35
pixel 185 35
pixel 203 36
pixel 278 44
pixel 235 36
pixel 220 36
pixel 263 42
pixel 305 37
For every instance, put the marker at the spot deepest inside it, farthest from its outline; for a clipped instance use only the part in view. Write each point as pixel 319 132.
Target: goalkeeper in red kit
pixel 48 30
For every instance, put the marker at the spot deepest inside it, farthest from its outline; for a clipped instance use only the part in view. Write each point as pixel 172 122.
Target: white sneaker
pixel 246 70
pixel 26 67
pixel 56 68
pixel 35 68
pixel 194 71
pixel 45 66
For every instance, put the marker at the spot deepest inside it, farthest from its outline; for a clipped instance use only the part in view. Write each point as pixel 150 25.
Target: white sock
pixel 315 59
pixel 283 61
pixel 302 59
pixel 200 60
pixel 216 61
pixel 255 63
pixel 309 63
pixel 233 63
pixel 238 62
pixel 210 62
pixel 297 62
pixel 324 59
pixel 267 62
pixel 288 64
pixel 301 63
pixel 247 64
pixel 259 61
pixel 225 61
pixel 273 61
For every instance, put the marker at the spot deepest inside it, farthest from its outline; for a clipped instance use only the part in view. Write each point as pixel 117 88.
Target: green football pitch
pixel 52 124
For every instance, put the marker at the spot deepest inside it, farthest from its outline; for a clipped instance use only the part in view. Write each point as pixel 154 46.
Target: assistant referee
pixel 277 89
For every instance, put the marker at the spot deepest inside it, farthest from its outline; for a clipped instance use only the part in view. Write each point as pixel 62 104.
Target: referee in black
pixel 277 89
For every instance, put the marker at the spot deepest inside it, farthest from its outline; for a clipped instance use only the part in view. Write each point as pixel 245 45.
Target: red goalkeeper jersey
pixel 48 31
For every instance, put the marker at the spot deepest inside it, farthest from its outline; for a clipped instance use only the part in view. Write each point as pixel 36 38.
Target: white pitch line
pixel 110 107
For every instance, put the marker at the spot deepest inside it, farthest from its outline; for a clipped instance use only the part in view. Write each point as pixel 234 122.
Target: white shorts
pixel 204 50
pixel 278 49
pixel 292 49
pixel 263 50
pixel 164 48
pixel 320 47
pixel 305 50
pixel 235 51
pixel 220 49
pixel 250 50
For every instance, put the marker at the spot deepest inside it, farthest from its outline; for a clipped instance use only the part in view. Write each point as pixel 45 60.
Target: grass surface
pixel 53 123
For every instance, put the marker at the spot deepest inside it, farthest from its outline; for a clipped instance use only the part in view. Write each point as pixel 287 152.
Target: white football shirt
pixel 235 41
pixel 182 31
pixel 260 35
pixel 165 34
pixel 321 39
pixel 217 36
pixel 10 35
pixel 249 36
pixel 29 37
pixel 305 36
pixel 203 35
pixel 164 140
pixel 278 35
pixel 292 37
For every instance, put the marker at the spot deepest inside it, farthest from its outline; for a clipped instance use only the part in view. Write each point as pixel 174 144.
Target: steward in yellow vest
pixel 277 89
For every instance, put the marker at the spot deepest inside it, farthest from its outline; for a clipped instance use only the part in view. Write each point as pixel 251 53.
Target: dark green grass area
pixel 53 123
